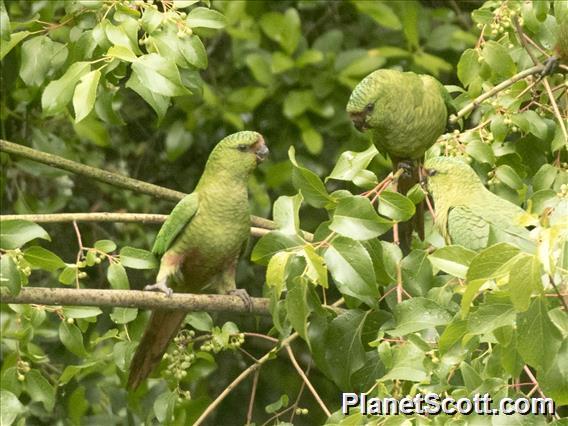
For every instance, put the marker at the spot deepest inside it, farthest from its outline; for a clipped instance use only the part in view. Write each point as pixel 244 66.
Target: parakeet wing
pixel 179 217
pixel 467 229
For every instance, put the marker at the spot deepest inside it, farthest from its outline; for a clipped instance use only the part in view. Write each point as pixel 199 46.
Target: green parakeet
pixel 467 213
pixel 201 240
pixel 405 114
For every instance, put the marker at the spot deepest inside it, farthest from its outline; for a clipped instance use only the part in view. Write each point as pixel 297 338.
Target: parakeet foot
pixel 549 66
pixel 160 286
pixel 407 168
pixel 244 296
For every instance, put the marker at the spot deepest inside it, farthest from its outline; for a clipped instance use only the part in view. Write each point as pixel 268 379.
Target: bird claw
pixel 549 66
pixel 242 294
pixel 160 286
pixel 406 167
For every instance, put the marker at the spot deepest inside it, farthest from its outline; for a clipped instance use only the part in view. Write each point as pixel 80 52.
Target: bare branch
pixel 135 299
pixel 105 217
pixel 500 87
pixel 114 179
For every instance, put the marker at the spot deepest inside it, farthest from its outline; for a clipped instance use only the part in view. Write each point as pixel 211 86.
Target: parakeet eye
pixel 242 147
pixel 432 172
pixel 369 107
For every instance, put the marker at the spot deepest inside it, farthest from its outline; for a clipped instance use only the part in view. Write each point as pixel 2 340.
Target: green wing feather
pixel 467 229
pixel 179 217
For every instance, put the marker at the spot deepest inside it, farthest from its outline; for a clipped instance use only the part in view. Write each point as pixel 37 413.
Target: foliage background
pixel 146 90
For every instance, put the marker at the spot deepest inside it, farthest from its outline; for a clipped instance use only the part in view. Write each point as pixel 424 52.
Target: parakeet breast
pixel 216 234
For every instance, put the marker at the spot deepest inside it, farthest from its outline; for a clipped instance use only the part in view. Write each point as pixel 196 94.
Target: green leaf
pixel 491 263
pixel 544 178
pixel 81 311
pixel 352 269
pixel 151 19
pixel 10 276
pixel 380 12
pixel 538 339
pixel 259 66
pixel 286 213
pixel 202 17
pixel 283 28
pixel 489 317
pixel 158 102
pixel 193 51
pixel 200 321
pixel 524 279
pixel 499 59
pixel 351 163
pixel 498 128
pixel 355 218
pixel 137 258
pixel 509 177
pixel 85 94
pixel 454 260
pixel 72 339
pixel 408 364
pixel 42 258
pixel 40 389
pixel 297 305
pixel 480 152
pixel 309 57
pixel 316 270
pixel 272 243
pixel 122 52
pixel 345 353
pixel 308 183
pixel 396 206
pixel 4 23
pixel 16 233
pixel 123 315
pixel 106 246
pixel 468 67
pixel 67 276
pixel 553 381
pixel 277 405
pixel 10 407
pixel 160 75
pixel 39 55
pixel 418 314
pixel 116 276
pixel 276 271
pixel 164 406
pixel 59 93
pixel 15 38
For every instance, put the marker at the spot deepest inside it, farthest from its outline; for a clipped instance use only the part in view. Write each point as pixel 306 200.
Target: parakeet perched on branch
pixel 467 213
pixel 201 240
pixel 405 114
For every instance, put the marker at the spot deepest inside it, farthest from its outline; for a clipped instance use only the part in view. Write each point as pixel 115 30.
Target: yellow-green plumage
pixel 467 213
pixel 405 112
pixel 201 240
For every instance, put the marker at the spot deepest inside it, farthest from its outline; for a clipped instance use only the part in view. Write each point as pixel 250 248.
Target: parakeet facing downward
pixel 405 113
pixel 201 240
pixel 467 213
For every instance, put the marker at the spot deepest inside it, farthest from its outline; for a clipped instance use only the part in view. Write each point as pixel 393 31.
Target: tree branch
pixel 104 217
pixel 501 86
pixel 135 299
pixel 113 179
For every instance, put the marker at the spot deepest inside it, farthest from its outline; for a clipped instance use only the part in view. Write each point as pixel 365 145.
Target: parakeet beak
pixel 359 120
pixel 261 150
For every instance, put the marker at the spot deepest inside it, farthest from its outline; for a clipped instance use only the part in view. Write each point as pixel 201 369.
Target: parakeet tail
pixel 161 329
pixel 406 181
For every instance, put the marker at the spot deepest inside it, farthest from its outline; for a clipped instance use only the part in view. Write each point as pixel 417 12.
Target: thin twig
pixel 300 392
pixel 108 217
pixel 268 356
pixel 500 87
pixel 79 253
pixel 307 381
pixel 252 396
pixel 135 299
pixel 110 178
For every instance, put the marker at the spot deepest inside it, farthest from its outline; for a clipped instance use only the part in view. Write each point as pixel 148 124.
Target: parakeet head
pixel 450 176
pixel 239 152
pixel 363 101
